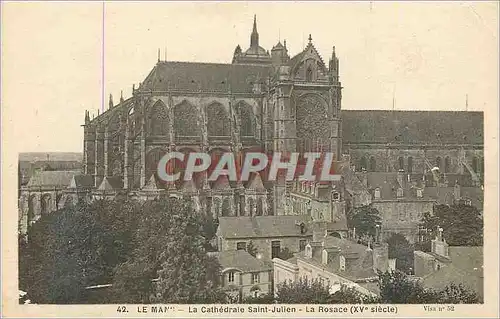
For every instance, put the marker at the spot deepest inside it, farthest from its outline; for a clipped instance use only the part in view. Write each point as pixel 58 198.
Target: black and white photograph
pixel 303 159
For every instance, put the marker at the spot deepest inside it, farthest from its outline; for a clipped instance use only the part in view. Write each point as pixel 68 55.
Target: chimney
pixel 317 248
pixel 439 245
pixel 380 256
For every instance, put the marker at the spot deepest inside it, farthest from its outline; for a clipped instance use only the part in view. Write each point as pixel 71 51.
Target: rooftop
pixel 263 226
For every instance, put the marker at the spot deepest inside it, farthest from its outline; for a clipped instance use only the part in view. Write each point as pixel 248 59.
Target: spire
pixel 87 117
pixel 158 54
pixel 310 38
pixel 111 101
pixel 121 96
pixel 254 38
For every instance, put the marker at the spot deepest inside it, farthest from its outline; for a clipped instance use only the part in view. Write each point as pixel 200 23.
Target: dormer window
pixel 308 253
pixel 376 193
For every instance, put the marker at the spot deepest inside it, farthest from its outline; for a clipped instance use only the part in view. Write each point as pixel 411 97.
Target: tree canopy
pixel 402 251
pixel 364 219
pixel 126 243
pixel 462 225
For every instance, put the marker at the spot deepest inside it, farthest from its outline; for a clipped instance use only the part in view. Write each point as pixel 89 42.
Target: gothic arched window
pixel 159 121
pixel 401 163
pixel 186 120
pixel 251 207
pixel 373 164
pixel 438 162
pixel 218 123
pixel 309 74
pixel 447 164
pixel 362 163
pixel 474 164
pixel 410 164
pixel 260 207
pixel 226 207
pixel 247 120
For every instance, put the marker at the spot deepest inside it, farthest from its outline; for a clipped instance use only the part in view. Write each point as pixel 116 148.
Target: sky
pixel 424 56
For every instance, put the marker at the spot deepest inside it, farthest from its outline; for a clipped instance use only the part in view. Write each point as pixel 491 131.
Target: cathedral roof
pixel 212 77
pixel 52 178
pixel 412 127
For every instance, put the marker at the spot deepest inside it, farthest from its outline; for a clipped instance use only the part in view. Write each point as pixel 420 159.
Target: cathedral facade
pixel 402 162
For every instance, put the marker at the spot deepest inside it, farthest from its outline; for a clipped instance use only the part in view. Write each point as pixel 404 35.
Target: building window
pixel 230 277
pixel 241 245
pixel 275 248
pixel 447 164
pixel 410 164
pixel 302 244
pixel 362 164
pixel 474 164
pixel 401 162
pixel 309 74
pixel 438 162
pixel 373 164
pixel 255 278
pixel 377 193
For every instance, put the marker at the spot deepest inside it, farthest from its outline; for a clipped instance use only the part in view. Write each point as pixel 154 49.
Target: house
pixel 244 275
pixel 444 265
pixel 269 234
pixel 335 262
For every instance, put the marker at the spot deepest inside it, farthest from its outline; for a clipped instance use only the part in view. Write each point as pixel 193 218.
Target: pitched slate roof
pixel 110 183
pixel 51 157
pixel 412 127
pixel 241 260
pixel 81 181
pixel 59 179
pixel 214 77
pixel 466 267
pixel 263 226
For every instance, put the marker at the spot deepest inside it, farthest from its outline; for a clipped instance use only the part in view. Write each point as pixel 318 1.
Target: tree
pixel 187 274
pixel 251 249
pixel 462 225
pixel 364 219
pixel 302 291
pixel 263 299
pixel 402 251
pixel 209 230
pixel 397 288
pixel 454 293
pixel 349 295
pixel 75 247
